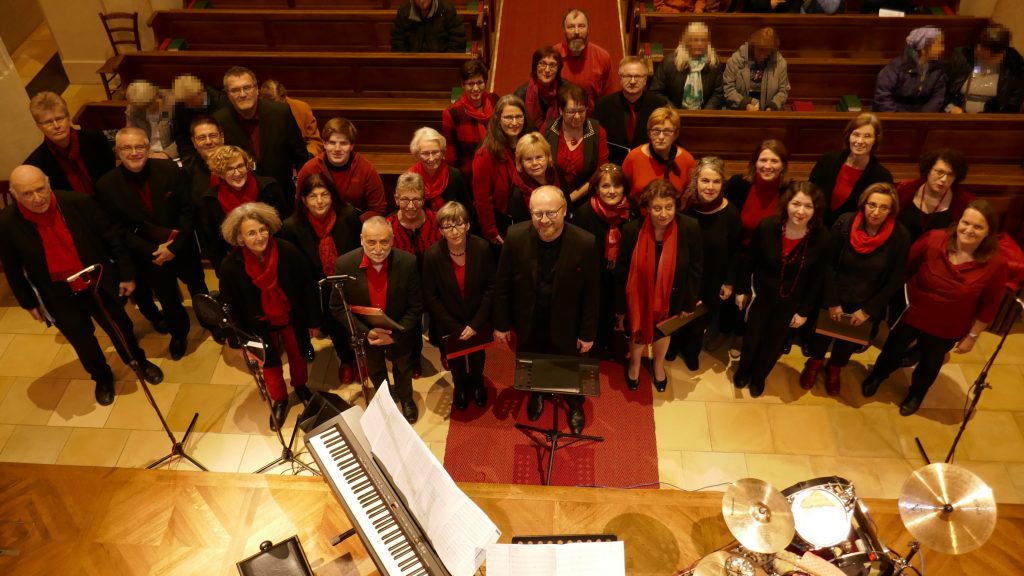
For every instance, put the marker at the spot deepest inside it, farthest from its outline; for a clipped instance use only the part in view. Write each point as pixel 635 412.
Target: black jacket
pixel 95 149
pixel 591 152
pixel 586 218
pixel 800 285
pixel 297 230
pixel 184 115
pixel 689 265
pixel 826 172
pixel 440 31
pixel 404 299
pixel 670 83
pixel 1009 92
pixel 450 311
pixel 211 215
pixel 864 281
pixel 611 112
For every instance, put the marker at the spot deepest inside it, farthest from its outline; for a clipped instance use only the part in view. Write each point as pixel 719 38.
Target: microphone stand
pixel 177 447
pixel 355 339
pixel 980 383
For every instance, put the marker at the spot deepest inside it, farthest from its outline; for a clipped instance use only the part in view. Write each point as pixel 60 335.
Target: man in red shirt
pixel 585 64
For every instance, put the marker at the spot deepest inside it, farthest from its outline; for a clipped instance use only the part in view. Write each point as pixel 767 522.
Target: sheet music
pixel 457 528
pixel 573 559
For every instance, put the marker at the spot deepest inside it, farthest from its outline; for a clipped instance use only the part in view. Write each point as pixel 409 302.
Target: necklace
pixel 457 254
pixel 799 252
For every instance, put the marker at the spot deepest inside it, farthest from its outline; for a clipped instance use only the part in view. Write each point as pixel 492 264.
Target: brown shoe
pixel 832 379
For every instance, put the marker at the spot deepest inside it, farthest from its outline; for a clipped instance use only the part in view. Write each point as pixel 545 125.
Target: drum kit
pixel 821 528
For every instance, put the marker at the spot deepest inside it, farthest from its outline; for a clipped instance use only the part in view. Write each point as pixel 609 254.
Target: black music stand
pixel 555 377
pixel 356 339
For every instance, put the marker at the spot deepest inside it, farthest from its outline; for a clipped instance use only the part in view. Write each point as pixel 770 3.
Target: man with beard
pixel 585 64
pixel 624 114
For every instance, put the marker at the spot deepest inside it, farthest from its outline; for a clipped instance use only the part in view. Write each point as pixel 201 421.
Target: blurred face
pixel 633 78
pixel 574 114
pixel 454 232
pixel 535 164
pixel 318 202
pixel 877 209
pixel 254 235
pixel 547 209
pixel 800 209
pixel 133 150
pixel 762 53
pixel 696 43
pixel 512 119
pixel 32 191
pixel 243 94
pixel 941 177
pixel 547 69
pixel 410 204
pixel 663 137
pixel 609 192
pixel 236 172
pixel 206 138
pixel 431 155
pixel 709 185
pixel 337 149
pixel 972 229
pixel 662 211
pixel 55 126
pixel 862 140
pixel 934 52
pixel 423 5
pixel 474 89
pixel 768 165
pixel 376 240
pixel 576 31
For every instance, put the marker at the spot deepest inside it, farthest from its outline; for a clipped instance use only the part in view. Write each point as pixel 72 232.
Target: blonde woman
pixel 691 77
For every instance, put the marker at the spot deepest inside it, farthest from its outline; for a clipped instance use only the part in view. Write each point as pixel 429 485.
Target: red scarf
pixel 435 185
pixel 73 165
pixel 264 276
pixel 648 294
pixel 323 228
pixel 535 93
pixel 614 217
pixel 481 114
pixel 229 198
pixel 864 243
pixel 62 258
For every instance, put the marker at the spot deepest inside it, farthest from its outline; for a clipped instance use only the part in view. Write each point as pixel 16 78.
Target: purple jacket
pixel 901 88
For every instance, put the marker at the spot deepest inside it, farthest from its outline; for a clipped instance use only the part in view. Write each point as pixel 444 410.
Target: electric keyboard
pixel 388 531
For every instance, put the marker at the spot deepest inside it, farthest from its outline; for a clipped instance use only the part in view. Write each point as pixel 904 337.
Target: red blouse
pixel 460 277
pixel 845 181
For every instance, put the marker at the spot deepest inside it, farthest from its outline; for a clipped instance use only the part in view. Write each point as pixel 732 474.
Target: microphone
pixel 79 274
pixel 335 279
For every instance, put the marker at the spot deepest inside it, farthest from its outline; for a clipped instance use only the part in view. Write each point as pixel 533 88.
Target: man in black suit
pixel 71 159
pixel 192 99
pixel 47 237
pixel 624 114
pixel 148 198
pixel 263 128
pixel 388 279
pixel 547 289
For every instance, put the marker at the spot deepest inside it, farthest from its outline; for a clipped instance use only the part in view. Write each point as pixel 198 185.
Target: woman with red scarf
pixel 233 183
pixel 442 183
pixel 464 124
pixel 540 93
pixel 270 292
pixel 494 167
pixel 324 227
pixel 604 215
pixel 535 168
pixel 658 272
pixel 868 255
pixel 579 143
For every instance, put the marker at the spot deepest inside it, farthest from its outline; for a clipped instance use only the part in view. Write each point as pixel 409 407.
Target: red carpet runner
pixel 484 445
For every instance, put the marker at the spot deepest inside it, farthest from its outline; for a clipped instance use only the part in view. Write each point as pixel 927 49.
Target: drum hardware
pixel 757 515
pixel 947 508
pixel 723 563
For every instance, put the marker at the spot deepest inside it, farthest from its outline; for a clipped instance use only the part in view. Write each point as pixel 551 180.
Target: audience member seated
pixel 47 236
pixel 662 157
pixel 355 178
pixel 267 286
pixel 192 99
pixel 458 288
pixel 303 114
pixel 234 183
pixel 323 227
pixel 151 109
pixel 658 273
pixel 443 183
pixel 988 77
pixel 579 144
pixel 535 167
pixel 494 167
pixel 866 268
pixel 756 76
pixel 795 6
pixel 266 130
pixel 843 175
pixel 72 160
pixel 784 266
pixel 914 81
pixel 956 282
pixel 206 136
pixel 691 77
pixel 540 92
pixel 428 26
pixel 585 64
pixel 464 123
pixel 679 6
pixel 934 201
pixel 621 113
pixel 604 215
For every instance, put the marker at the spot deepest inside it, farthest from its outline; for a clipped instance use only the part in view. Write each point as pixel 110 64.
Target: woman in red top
pixel 956 280
pixel 355 179
pixel 580 144
pixel 494 167
pixel 464 124
pixel 661 158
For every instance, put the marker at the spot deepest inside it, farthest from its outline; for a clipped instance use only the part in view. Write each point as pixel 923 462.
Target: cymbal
pixel 723 563
pixel 947 508
pixel 758 515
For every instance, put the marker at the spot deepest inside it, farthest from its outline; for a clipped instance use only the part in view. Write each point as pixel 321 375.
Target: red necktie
pixel 630 123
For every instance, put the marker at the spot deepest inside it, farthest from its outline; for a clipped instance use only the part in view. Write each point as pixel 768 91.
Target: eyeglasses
pixel 547 65
pixel 452 226
pixel 129 149
pixel 940 173
pixel 477 84
pixel 631 77
pixel 236 169
pixel 408 201
pixel 540 214
pixel 575 112
pixel 661 131
pixel 203 138
pixel 428 154
pixel 881 208
pixel 253 234
pixel 241 89
pixel 53 122
pixel 512 119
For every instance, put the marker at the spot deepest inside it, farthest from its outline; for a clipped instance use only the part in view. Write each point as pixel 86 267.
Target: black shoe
pixel 870 385
pixel 661 385
pixel 480 396
pixel 577 420
pixel 461 400
pixel 159 324
pixel 692 363
pixel 304 393
pixel 535 406
pixel 410 411
pixel 178 347
pixel 910 405
pixel 740 379
pixel 152 373
pixel 309 354
pixel 278 414
pixel 105 391
pixel 633 383
pixel 417 371
pixel 756 388
pixel 671 354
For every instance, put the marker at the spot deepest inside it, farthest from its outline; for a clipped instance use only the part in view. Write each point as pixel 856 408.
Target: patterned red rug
pixel 485 446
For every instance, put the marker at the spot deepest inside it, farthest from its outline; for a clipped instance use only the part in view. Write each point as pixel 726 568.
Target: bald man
pixel 47 237
pixel 389 279
pixel 547 289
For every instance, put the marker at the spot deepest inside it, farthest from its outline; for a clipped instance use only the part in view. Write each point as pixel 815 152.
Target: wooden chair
pixel 123 32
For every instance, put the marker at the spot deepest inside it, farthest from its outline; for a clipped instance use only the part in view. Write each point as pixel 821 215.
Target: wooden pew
pixel 329 4
pixel 295 30
pixel 842 35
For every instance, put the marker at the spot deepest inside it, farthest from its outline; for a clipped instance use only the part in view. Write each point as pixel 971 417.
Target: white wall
pixel 20 133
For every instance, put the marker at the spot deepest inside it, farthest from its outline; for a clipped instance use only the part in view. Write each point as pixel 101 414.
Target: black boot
pixel 278 414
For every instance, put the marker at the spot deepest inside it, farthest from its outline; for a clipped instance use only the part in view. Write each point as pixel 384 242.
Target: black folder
pixel 842 328
pixel 453 347
pixel 375 317
pixel 667 327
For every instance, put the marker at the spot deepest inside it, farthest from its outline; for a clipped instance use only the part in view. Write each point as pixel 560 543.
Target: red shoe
pixel 810 372
pixel 345 373
pixel 444 362
pixel 832 379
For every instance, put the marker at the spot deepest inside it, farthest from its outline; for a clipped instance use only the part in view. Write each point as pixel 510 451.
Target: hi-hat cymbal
pixel 758 515
pixel 947 508
pixel 723 563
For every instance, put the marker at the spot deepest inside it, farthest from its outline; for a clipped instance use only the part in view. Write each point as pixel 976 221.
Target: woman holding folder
pixel 458 283
pixel 658 275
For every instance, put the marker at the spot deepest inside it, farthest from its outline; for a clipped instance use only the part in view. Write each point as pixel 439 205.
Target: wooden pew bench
pixel 330 4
